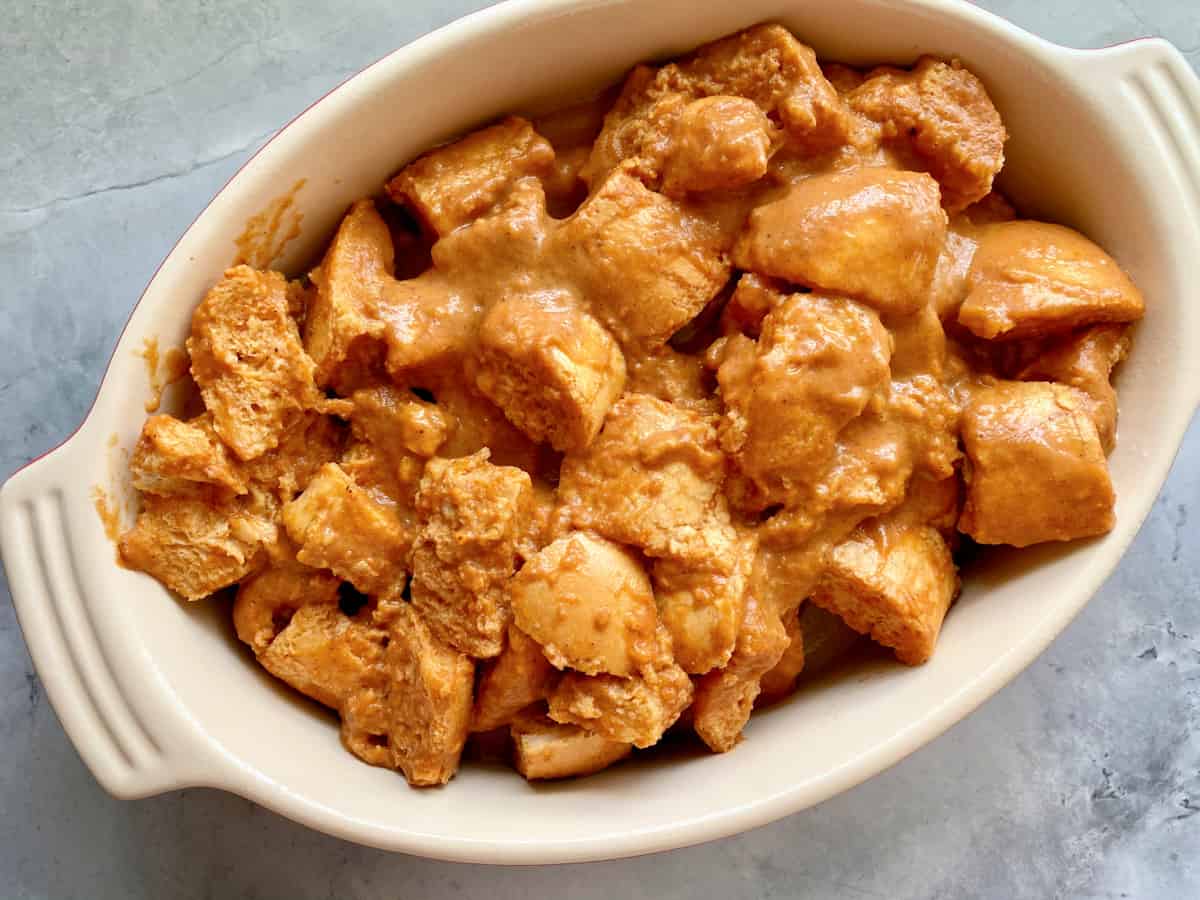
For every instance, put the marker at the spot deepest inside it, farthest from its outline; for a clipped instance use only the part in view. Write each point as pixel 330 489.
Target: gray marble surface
pixel 118 119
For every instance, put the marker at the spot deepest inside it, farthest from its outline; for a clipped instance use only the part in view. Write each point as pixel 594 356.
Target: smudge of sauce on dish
pixel 163 369
pixel 267 233
pixel 109 511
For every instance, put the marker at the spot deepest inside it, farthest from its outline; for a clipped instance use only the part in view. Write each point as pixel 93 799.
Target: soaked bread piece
pixel 1036 468
pixel 1030 279
pixel 719 143
pixel 872 234
pixel 472 515
pixel 516 679
pixel 943 114
pixel 247 359
pixel 544 749
pixel 174 457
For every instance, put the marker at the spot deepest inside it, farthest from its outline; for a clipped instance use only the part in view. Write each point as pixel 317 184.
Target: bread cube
pixel 247 359
pixel 550 367
pixel 544 749
pixel 642 266
pixel 702 607
pixel 195 545
pixel 787 397
pixel 174 457
pixel 476 422
pixel 453 185
pixel 1031 279
pixel 472 515
pixel 1085 360
pixel 894 582
pixel 725 697
pixel 1036 467
pixel 942 113
pixel 751 301
pixel 340 316
pixel 267 601
pixel 588 603
pixel 652 478
pixel 341 527
pixel 520 676
pixel 718 143
pixel 874 234
pixel 635 710
pixel 428 699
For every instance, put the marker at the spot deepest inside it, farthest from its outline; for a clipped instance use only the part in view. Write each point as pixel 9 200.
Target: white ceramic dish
pixel 156 694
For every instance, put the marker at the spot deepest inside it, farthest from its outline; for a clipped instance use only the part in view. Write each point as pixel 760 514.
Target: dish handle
pixel 1157 93
pixel 135 741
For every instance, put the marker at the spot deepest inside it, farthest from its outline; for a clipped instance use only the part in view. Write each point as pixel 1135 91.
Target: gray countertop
pixel 119 120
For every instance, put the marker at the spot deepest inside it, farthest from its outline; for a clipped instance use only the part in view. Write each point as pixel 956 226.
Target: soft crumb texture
pixel 398 421
pixel 267 600
pixel 456 184
pixel 340 322
pixel 551 367
pixel 719 143
pixel 311 442
pixel 702 607
pixel 873 234
pixel 247 359
pixel 817 364
pixel 893 582
pixel 652 479
pixel 1030 279
pixel 1036 468
pixel 472 515
pixel 174 457
pixel 725 697
pixel 544 749
pixel 588 602
pixel 636 257
pixel 635 710
pixel 941 113
pixel 194 545
pixel 519 677
pixel 340 527
pixel 429 699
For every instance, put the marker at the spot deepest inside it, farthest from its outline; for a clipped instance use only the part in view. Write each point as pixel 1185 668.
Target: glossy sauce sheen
pixel 595 426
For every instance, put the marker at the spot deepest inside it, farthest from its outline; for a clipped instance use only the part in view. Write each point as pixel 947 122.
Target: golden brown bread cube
pixel 453 185
pixel 1085 360
pixel 679 378
pixel 702 606
pixel 520 676
pixel 1030 279
pixel 894 582
pixel 544 749
pixel 718 143
pixel 643 268
pixel 635 710
pixel 588 603
pixel 247 359
pixel 874 234
pixel 817 364
pixel 341 314
pixel 267 600
pixel 725 697
pixel 780 679
pixel 552 368
pixel 341 527
pixel 1036 467
pixel 652 478
pixel 942 113
pixel 196 545
pixel 428 699
pixel 476 422
pixel 472 515
pixel 174 457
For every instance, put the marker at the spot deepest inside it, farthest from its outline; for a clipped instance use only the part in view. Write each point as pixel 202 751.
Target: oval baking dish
pixel 156 694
